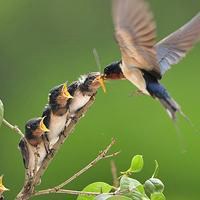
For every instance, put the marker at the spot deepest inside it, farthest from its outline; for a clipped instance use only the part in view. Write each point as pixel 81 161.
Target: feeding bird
pixel 33 143
pixel 144 61
pixel 83 89
pixel 56 112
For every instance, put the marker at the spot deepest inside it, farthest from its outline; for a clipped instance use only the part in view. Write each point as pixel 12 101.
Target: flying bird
pixel 144 61
pixel 56 112
pixel 33 143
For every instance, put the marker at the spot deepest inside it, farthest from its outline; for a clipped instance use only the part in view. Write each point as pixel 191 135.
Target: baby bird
pixel 56 112
pixel 33 143
pixel 83 89
pixel 143 61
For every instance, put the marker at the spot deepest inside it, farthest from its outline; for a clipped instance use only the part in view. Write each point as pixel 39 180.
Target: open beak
pixel 2 187
pixel 100 80
pixel 42 126
pixel 65 92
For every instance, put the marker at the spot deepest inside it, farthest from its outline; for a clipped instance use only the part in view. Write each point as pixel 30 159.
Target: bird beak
pixel 100 80
pixel 42 126
pixel 65 92
pixel 2 187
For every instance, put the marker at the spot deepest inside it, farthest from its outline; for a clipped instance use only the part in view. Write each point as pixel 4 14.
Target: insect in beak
pixel 42 126
pixel 65 92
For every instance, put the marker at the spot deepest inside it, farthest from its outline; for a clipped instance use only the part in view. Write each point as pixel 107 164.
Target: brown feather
pixel 135 32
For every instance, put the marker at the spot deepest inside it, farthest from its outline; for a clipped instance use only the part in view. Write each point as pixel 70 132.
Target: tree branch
pixel 73 192
pixel 58 188
pixel 14 128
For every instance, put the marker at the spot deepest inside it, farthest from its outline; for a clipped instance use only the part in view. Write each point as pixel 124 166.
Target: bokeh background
pixel 43 43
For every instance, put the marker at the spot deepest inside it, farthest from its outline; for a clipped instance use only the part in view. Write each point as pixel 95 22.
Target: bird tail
pixel 171 106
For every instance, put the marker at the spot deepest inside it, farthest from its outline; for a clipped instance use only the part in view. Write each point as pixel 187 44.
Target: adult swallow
pixel 56 112
pixel 143 61
pixel 83 89
pixel 33 143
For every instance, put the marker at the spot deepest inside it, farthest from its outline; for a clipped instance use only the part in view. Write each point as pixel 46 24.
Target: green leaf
pixel 119 197
pixel 158 196
pixel 132 188
pixel 1 112
pixel 137 164
pixel 95 187
pixel 156 169
pixel 153 185
pixel 103 196
pixel 129 184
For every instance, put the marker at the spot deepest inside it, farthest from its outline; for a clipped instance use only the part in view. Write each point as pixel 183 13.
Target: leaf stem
pixel 13 127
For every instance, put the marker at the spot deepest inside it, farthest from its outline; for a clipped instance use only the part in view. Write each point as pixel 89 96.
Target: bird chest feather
pixel 78 101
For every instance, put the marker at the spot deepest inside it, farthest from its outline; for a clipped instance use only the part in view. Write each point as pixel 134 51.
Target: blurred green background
pixel 43 43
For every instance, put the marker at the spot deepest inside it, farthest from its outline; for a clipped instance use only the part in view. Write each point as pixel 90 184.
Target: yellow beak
pixel 100 79
pixel 65 92
pixel 42 126
pixel 2 187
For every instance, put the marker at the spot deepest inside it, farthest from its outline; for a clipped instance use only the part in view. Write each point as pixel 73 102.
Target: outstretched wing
pixel 135 32
pixel 173 48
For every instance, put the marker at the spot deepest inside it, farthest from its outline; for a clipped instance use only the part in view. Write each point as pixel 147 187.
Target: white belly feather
pixel 78 102
pixel 57 125
pixel 134 75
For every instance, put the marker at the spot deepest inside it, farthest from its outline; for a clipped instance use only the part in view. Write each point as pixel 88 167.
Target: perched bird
pixel 143 61
pixel 56 112
pixel 83 89
pixel 33 143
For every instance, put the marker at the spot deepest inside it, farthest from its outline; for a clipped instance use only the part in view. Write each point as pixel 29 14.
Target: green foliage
pixel 158 196
pixel 100 187
pixel 137 164
pixel 1 112
pixel 119 197
pixel 153 185
pixel 129 188
pixel 156 169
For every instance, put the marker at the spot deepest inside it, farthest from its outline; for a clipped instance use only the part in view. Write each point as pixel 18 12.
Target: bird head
pixel 36 127
pixel 59 95
pixel 113 71
pixel 92 81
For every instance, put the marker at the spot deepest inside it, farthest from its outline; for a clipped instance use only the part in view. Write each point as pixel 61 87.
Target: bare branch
pixel 73 192
pixel 114 174
pixel 101 156
pixel 14 128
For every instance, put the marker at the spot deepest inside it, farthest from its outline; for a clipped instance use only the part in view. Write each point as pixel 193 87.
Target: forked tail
pixel 171 106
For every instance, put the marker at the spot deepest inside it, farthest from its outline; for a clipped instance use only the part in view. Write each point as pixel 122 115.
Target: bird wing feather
pixel 173 48
pixel 23 146
pixel 135 32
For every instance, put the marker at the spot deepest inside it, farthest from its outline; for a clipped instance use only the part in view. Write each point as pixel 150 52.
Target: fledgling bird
pixel 33 143
pixel 83 89
pixel 143 61
pixel 56 112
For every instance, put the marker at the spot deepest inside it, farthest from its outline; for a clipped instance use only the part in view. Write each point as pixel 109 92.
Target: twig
pixel 58 188
pixel 73 192
pixel 114 174
pixel 14 128
pixel 101 156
